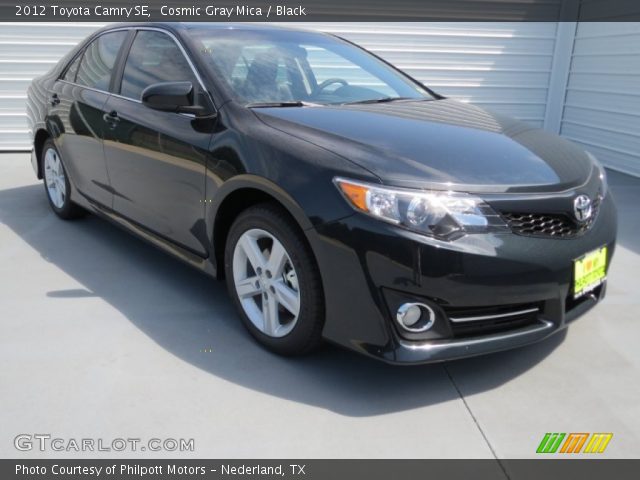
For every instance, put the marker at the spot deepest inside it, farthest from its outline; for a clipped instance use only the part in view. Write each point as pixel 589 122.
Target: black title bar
pixel 547 469
pixel 320 10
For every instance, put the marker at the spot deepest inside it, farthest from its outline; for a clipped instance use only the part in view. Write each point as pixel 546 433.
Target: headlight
pixel 602 173
pixel 446 215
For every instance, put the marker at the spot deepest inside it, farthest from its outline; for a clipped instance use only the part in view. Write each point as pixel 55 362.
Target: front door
pixel 156 160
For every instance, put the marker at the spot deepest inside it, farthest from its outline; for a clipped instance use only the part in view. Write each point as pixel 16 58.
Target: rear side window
pixel 70 75
pixel 154 58
pixel 98 60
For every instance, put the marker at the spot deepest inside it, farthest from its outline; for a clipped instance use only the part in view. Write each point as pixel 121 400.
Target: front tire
pixel 274 281
pixel 56 183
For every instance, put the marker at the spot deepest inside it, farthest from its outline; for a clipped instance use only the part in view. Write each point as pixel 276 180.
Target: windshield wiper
pixel 379 100
pixel 297 103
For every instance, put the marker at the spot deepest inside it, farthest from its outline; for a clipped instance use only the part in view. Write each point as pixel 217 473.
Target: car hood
pixel 439 144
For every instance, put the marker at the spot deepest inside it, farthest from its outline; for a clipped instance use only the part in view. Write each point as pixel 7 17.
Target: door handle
pixel 54 100
pixel 111 118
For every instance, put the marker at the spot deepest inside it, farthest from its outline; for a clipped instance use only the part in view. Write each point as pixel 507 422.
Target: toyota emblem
pixel 582 208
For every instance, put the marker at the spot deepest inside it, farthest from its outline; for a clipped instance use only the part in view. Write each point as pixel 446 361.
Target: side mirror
pixel 175 97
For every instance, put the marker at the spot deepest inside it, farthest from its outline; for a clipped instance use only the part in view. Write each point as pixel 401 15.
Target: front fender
pixel 214 205
pixel 258 183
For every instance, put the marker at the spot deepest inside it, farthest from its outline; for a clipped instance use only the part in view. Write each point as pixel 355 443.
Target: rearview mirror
pixel 172 97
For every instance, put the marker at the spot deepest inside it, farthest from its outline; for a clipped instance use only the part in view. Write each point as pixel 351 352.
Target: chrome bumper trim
pixel 490 317
pixel 435 351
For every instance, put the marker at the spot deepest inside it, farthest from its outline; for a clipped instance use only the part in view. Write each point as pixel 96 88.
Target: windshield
pixel 281 66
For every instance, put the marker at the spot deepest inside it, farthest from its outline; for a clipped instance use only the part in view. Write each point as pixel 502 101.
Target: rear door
pixel 77 101
pixel 156 159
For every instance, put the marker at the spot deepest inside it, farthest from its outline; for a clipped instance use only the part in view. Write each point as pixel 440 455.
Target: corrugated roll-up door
pixel 26 51
pixel 501 66
pixel 602 105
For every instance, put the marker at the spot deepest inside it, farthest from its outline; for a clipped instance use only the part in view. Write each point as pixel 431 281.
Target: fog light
pixel 415 317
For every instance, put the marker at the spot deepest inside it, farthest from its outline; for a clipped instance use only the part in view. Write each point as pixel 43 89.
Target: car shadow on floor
pixel 191 316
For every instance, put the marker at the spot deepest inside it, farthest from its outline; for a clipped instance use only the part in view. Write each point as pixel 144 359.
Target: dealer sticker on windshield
pixel 589 271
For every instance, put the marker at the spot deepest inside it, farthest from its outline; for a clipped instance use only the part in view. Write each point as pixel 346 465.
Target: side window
pixel 98 60
pixel 154 58
pixel 70 74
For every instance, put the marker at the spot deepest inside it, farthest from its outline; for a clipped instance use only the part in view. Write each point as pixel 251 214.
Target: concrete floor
pixel 103 336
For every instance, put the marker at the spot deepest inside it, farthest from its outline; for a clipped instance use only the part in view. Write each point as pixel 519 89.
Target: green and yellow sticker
pixel 589 271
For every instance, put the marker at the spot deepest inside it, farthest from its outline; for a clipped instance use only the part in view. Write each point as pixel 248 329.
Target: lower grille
pixel 468 322
pixel 571 303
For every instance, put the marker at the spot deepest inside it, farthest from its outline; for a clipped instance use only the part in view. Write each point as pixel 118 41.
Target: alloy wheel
pixel 54 178
pixel 266 283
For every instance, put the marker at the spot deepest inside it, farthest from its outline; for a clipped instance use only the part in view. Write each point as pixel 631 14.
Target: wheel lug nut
pixel 268 273
pixel 273 289
pixel 259 271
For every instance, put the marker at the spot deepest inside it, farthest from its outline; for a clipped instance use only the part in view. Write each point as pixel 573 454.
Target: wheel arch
pixel 240 193
pixel 41 136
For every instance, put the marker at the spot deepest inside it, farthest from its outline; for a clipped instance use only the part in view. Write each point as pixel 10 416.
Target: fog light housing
pixel 415 317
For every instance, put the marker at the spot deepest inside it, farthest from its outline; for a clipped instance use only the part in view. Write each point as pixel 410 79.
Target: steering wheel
pixel 327 82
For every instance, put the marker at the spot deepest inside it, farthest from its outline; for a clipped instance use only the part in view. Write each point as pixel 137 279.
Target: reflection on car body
pixel 339 198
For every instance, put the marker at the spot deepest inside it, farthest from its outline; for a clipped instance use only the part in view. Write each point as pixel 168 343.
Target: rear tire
pixel 56 183
pixel 274 281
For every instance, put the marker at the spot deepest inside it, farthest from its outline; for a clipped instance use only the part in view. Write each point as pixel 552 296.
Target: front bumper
pixel 368 267
pixel 434 351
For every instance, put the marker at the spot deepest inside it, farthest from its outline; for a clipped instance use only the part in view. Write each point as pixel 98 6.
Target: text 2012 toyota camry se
pixel 339 198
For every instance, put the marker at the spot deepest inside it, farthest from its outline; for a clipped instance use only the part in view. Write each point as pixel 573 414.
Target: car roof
pixel 185 26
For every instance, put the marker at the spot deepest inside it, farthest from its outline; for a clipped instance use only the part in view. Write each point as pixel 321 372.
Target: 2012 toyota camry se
pixel 339 198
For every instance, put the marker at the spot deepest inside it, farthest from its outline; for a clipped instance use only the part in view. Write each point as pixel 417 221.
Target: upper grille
pixel 541 224
pixel 549 224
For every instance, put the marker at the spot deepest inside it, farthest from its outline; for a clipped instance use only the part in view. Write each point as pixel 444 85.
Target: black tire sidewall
pixel 68 209
pixel 306 334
